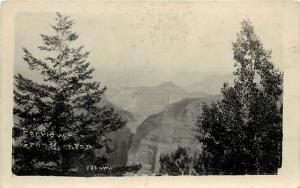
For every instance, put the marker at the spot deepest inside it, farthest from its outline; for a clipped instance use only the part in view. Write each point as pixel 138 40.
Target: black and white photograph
pixel 150 89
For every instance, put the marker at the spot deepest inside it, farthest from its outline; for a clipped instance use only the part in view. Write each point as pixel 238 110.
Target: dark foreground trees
pixel 242 134
pixel 60 126
pixel 177 163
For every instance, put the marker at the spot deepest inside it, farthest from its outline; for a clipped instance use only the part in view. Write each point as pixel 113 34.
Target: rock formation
pixel 165 131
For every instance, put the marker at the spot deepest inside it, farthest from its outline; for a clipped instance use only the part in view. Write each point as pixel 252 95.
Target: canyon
pixel 159 119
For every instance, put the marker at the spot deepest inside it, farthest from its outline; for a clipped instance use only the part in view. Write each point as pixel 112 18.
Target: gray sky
pixel 150 43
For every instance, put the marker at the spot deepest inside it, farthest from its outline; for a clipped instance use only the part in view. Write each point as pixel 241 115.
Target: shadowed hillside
pixel 121 139
pixel 165 131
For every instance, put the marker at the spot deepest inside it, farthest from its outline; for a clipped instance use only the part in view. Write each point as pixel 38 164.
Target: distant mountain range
pixel 211 84
pixel 145 101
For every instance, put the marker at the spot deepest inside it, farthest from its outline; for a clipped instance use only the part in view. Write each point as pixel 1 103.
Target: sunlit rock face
pixel 165 131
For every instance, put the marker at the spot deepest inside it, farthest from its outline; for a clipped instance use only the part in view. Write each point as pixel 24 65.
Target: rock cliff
pixel 165 131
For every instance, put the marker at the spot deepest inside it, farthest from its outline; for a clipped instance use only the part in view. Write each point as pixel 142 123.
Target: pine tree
pixel 61 111
pixel 177 163
pixel 242 133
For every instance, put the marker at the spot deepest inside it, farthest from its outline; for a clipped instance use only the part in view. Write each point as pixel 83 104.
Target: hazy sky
pixel 147 43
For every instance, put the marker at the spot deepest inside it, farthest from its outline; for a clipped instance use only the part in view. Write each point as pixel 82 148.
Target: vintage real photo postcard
pixel 182 90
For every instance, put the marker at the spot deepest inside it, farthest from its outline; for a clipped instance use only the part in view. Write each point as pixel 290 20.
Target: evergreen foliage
pixel 62 111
